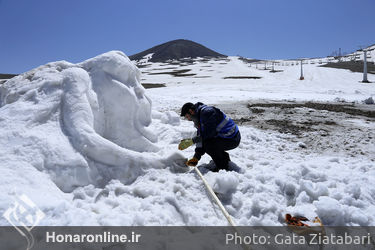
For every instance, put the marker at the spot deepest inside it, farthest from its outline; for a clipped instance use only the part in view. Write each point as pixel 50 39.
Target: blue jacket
pixel 214 123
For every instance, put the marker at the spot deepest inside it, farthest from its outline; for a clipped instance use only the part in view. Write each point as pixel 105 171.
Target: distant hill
pixel 176 49
pixel 7 76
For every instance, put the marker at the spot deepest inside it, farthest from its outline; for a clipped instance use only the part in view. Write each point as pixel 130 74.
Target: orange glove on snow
pixel 192 162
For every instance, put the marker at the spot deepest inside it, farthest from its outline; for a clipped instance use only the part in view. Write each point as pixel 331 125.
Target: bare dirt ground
pixel 317 127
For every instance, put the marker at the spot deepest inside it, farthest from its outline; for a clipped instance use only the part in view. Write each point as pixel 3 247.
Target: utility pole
pixel 301 77
pixel 365 66
pixel 364 49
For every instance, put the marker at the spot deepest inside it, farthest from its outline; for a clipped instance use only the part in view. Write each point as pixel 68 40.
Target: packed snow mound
pixel 80 123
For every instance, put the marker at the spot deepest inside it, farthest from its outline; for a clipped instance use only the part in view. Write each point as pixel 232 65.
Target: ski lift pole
pixel 365 66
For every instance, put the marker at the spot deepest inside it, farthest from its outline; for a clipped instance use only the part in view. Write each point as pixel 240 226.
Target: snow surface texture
pixel 76 139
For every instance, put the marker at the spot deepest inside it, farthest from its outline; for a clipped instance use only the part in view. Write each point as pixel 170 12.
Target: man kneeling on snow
pixel 216 133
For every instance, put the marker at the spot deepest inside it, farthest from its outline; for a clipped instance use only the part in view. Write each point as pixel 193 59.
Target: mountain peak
pixel 176 49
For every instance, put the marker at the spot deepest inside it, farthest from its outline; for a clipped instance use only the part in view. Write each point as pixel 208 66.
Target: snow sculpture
pixel 81 123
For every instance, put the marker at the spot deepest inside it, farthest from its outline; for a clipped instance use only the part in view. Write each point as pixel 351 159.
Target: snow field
pixel 260 194
pixel 320 84
pixel 84 143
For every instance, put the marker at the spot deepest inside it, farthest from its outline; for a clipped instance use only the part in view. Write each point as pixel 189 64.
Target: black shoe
pixel 215 169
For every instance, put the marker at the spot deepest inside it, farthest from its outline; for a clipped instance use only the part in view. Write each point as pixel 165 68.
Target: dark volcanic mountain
pixel 175 50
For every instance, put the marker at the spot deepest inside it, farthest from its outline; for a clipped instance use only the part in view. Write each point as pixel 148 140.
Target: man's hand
pixel 192 162
pixel 185 143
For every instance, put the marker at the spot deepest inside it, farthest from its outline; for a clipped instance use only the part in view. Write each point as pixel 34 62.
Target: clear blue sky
pixel 34 32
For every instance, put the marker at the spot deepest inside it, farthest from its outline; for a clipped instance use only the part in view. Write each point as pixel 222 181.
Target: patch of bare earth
pixel 316 127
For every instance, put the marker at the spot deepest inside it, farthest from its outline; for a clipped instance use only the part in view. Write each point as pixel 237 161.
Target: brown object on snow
pixel 297 225
pixel 296 220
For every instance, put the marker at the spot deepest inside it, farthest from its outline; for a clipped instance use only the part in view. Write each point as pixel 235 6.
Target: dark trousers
pixel 216 147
